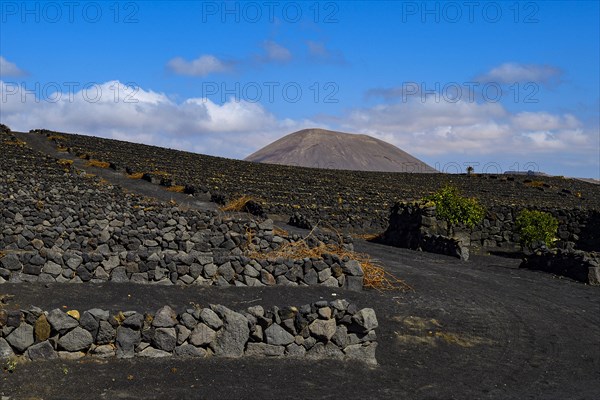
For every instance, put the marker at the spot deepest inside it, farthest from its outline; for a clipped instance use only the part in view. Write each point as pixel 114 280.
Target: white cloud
pixel 208 64
pixel 417 116
pixel 441 128
pixel 509 73
pixel 232 116
pixel 544 121
pixel 9 69
pixel 542 140
pixel 233 129
pixel 276 52
pixel 431 130
pixel 201 66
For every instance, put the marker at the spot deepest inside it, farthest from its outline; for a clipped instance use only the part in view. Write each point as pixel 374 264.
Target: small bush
pixel 65 163
pixel 176 189
pixel 535 184
pixel 160 173
pixel 280 232
pixel 368 236
pixel 99 164
pixel 56 137
pixel 137 175
pixel 15 142
pixel 536 226
pixel 238 204
pixel 451 206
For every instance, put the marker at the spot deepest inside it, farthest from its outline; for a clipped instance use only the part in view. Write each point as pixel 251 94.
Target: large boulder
pixel 76 340
pixel 21 338
pixel 232 337
pixel 278 336
pixel 364 321
pixel 127 339
pixel 166 317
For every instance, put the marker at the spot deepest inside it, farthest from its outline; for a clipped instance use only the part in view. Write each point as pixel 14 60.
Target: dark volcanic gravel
pixel 481 329
pixel 344 199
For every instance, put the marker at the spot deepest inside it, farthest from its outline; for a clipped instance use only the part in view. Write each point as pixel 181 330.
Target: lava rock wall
pixel 576 264
pixel 332 330
pixel 346 200
pixel 415 226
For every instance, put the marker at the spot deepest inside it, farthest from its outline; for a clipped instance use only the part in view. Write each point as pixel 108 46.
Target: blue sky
pixel 497 85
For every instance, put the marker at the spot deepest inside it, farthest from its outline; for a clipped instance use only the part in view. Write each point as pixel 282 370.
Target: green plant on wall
pixel 536 226
pixel 456 209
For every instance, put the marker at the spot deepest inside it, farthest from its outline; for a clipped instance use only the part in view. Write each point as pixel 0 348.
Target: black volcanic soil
pixel 138 186
pixel 348 200
pixel 476 330
pixel 481 329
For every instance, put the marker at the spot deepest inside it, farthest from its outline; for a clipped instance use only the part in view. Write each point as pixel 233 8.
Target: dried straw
pixel 375 275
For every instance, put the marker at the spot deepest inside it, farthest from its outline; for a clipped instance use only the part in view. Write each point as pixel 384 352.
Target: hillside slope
pixel 321 148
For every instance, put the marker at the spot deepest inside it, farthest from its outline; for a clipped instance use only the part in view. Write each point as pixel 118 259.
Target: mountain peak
pixel 321 148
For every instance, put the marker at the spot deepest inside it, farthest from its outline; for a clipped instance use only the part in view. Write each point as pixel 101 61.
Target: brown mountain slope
pixel 321 148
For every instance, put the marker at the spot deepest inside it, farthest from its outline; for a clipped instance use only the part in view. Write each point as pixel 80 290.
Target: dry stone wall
pixel 576 264
pixel 346 200
pixel 165 248
pixel 170 267
pixel 410 223
pixel 332 330
pixel 415 226
pixel 60 226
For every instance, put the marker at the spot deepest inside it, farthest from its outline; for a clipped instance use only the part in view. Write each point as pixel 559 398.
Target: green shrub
pixel 536 226
pixel 451 206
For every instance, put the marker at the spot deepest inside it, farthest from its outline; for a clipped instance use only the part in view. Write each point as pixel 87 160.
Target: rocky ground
pixel 481 329
pixel 346 200
pixel 476 329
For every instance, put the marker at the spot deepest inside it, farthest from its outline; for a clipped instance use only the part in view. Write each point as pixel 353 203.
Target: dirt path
pixel 481 329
